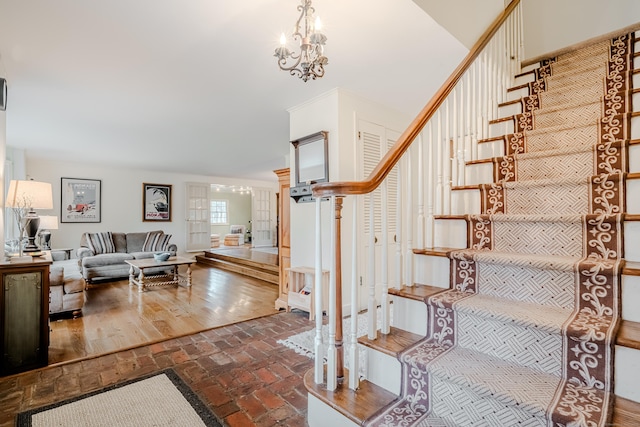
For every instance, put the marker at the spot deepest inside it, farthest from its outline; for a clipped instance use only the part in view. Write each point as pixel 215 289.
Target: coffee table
pixel 143 281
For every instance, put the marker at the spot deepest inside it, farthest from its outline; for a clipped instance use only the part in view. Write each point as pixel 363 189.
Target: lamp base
pixel 32 222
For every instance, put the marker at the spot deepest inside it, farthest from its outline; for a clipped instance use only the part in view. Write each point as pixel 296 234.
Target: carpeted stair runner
pixel 525 334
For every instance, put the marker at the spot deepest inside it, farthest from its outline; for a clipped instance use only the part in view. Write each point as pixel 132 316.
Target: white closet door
pixel 373 143
pixel 198 216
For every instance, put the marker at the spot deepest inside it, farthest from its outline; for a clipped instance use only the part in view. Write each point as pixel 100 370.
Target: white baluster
pixel 384 267
pixel 421 180
pixel 399 214
pixel 409 254
pixel 431 183
pixel 454 139
pixel 354 360
pixel 437 161
pixel 371 268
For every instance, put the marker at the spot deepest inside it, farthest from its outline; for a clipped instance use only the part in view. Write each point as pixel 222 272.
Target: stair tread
pixel 355 405
pixel 629 334
pixel 416 292
pixel 528 388
pixel 437 251
pixel 550 262
pixel 584 148
pixel 509 311
pixel 625 412
pixel 392 343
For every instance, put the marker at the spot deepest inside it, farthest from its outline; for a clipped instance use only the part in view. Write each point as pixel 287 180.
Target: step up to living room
pixel 511 293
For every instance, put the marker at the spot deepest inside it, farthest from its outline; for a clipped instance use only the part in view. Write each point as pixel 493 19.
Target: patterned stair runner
pixel 525 334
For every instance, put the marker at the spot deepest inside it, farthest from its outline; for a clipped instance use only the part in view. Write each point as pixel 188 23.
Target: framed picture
pixel 156 202
pixel 80 200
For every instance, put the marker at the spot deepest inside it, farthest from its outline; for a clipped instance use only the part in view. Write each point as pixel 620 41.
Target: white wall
pixel 338 112
pixel 122 198
pixel 550 25
pixel 466 20
pixel 239 212
pixel 320 113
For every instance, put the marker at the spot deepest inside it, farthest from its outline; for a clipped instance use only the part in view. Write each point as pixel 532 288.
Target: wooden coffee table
pixel 143 281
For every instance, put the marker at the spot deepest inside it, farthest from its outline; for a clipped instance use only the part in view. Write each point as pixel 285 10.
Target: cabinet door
pixel 22 320
pixel 285 264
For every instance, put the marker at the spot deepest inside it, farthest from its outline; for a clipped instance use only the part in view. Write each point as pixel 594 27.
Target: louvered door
pixel 373 143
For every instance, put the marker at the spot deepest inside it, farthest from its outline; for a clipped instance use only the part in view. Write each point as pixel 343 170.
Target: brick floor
pixel 239 371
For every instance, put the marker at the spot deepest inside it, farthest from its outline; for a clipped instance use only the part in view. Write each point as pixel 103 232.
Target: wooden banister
pixel 405 140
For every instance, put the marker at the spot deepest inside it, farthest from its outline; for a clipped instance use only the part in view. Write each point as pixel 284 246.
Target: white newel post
pixel 332 366
pixel 318 344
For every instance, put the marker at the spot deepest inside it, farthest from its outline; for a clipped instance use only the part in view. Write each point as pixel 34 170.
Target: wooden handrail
pixel 392 157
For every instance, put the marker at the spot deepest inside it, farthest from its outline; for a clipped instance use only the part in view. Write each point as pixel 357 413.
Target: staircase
pixel 543 285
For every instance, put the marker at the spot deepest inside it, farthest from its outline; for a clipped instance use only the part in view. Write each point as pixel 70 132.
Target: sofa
pixel 66 288
pixel 102 256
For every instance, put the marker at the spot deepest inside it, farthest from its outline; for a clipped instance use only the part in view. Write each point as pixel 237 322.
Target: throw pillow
pixel 156 241
pixel 151 240
pixel 163 243
pixel 101 243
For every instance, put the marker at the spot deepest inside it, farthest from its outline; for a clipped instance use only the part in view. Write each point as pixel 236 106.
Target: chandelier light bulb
pixel 318 24
pixel 283 40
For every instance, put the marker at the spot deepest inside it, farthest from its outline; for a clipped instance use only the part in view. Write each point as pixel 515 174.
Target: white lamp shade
pixel 48 222
pixel 29 194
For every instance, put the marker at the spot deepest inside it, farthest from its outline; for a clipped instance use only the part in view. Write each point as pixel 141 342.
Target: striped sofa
pixel 102 255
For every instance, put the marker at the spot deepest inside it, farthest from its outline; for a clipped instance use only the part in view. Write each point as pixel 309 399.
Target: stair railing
pixel 446 133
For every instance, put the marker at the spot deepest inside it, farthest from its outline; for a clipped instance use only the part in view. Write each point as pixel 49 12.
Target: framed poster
pixel 80 200
pixel 156 202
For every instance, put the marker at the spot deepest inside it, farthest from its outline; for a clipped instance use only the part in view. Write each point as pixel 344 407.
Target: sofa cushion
pixel 120 241
pixel 74 284
pixel 135 241
pixel 156 241
pixel 56 276
pixel 105 259
pixel 101 243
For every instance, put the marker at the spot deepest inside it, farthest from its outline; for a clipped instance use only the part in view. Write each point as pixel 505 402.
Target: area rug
pixel 302 343
pixel 161 399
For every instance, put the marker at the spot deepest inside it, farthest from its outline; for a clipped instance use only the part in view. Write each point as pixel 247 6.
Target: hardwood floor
pixel 117 317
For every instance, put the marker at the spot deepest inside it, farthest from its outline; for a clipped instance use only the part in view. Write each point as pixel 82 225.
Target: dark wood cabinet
pixel 24 316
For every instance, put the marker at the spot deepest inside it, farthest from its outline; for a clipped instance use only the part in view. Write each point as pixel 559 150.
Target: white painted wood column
pixel 318 370
pixel 332 353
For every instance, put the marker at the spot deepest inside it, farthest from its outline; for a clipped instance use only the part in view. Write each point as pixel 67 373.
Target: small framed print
pixel 156 202
pixel 80 200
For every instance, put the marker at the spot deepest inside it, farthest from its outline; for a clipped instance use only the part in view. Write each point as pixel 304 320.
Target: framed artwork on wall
pixel 156 202
pixel 80 200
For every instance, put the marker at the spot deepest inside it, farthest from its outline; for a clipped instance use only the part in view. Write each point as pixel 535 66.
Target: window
pixel 219 211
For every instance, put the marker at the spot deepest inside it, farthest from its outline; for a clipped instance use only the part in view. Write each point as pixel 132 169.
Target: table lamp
pixel 47 223
pixel 24 197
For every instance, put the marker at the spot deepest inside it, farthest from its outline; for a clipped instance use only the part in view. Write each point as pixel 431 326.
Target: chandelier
pixel 310 61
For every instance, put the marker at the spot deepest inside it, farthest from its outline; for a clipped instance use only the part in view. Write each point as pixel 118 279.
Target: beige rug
pixel 161 399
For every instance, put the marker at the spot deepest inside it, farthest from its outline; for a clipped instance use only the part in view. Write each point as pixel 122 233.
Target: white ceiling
pixel 192 85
